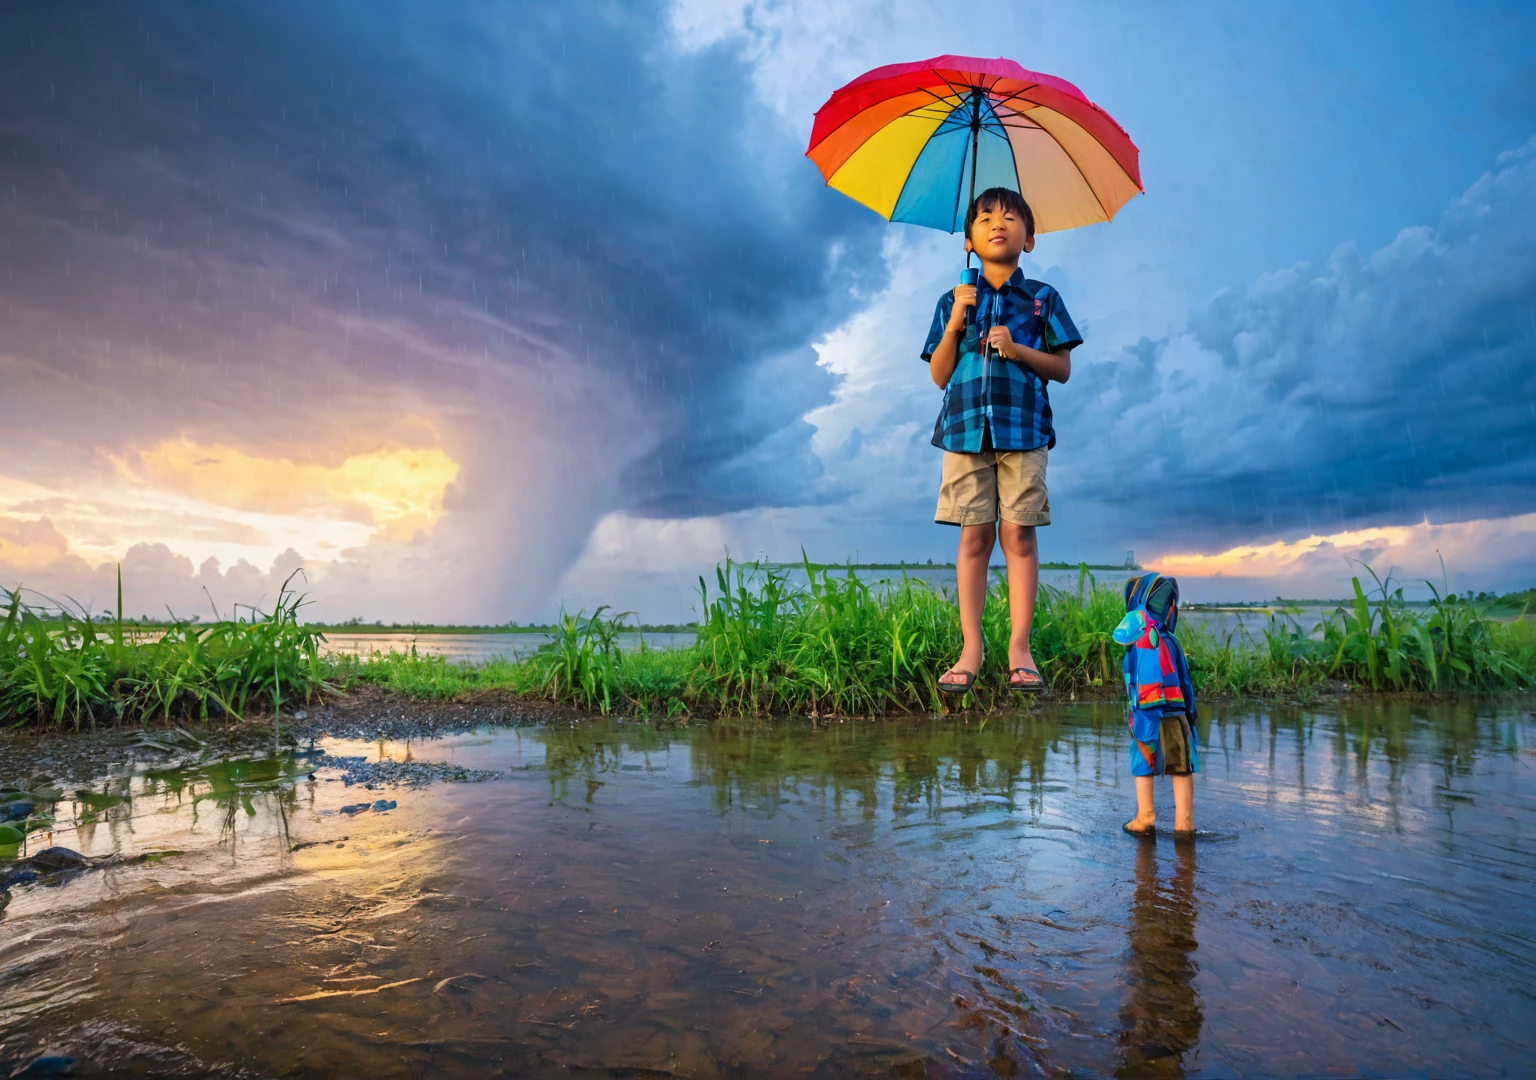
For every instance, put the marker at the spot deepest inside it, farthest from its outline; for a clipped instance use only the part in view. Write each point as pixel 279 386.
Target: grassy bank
pixel 835 646
pixel 842 647
pixel 59 666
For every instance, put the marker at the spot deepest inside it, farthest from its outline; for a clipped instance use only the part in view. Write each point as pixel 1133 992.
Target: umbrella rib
pixel 1017 93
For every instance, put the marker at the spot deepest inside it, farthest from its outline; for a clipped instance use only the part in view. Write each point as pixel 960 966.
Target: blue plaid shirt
pixel 994 392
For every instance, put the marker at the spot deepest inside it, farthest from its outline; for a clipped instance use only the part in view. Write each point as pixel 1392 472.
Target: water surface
pixel 941 897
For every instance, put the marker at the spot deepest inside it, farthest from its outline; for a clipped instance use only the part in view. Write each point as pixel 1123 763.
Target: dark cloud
pixel 1377 390
pixel 539 223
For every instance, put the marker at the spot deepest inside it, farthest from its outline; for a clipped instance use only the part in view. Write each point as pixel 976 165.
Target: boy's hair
pixel 1006 199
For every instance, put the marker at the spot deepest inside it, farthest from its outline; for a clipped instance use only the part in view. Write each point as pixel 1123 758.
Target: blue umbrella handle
pixel 970 276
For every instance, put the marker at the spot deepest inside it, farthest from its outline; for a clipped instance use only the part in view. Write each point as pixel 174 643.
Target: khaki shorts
pixel 1175 740
pixel 977 489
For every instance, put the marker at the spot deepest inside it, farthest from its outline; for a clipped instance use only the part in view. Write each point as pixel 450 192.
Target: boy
pixel 992 348
pixel 1164 739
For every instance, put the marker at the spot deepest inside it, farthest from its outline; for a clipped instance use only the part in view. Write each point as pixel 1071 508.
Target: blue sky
pixel 475 311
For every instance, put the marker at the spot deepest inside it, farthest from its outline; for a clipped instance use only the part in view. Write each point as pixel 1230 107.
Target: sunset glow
pixel 1408 547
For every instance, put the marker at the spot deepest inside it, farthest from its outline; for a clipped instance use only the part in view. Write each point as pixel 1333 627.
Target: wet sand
pixel 917 897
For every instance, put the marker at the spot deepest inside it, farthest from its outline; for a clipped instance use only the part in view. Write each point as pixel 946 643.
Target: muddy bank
pixel 42 757
pixel 32 756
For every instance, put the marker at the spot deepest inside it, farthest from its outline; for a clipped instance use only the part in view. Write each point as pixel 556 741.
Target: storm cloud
pixel 589 267
pixel 1381 388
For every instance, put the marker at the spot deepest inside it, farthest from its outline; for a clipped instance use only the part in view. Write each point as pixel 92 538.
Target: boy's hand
pixel 1001 342
pixel 965 299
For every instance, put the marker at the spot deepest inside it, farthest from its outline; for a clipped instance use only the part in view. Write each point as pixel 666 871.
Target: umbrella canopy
pixel 909 141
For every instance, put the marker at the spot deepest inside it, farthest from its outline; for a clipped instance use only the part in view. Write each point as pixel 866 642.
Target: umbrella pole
pixel 975 146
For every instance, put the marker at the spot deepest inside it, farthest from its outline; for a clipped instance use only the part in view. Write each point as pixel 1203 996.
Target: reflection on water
pixel 941 897
pixel 1160 1017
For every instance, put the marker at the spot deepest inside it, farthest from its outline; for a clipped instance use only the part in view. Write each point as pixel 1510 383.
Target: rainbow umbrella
pixel 908 140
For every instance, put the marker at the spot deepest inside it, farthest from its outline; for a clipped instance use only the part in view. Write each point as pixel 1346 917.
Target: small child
pixel 992 348
pixel 1164 741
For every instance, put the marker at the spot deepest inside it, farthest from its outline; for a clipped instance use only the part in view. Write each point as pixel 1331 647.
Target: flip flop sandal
pixel 1026 687
pixel 1150 830
pixel 957 687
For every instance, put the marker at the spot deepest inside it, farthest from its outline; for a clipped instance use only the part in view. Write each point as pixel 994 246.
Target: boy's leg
pixel 968 498
pixel 971 564
pixel 1146 812
pixel 1023 557
pixel 1023 504
pixel 1183 802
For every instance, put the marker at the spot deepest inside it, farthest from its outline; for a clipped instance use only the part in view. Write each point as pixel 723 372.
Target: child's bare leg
pixel 1146 813
pixel 1023 558
pixel 1183 803
pixel 971 579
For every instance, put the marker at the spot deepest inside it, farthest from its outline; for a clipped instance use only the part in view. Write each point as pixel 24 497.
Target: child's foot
pixel 1141 825
pixel 1184 826
pixel 965 671
pixel 1022 672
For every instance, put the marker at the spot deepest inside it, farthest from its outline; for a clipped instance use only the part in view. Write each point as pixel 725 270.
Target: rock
pixel 59 863
pixel 19 811
pixel 384 805
pixel 54 859
pixel 356 808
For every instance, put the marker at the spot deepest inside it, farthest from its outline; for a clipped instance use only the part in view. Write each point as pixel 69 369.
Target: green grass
pixel 834 646
pixel 840 646
pixel 59 666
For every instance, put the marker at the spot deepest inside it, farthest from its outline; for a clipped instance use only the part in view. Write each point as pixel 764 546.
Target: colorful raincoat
pixel 1162 699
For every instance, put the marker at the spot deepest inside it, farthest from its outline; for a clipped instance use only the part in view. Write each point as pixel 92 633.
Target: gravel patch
pixel 369 712
pixel 413 774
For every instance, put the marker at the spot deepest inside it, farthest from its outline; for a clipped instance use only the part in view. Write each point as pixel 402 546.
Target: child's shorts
pixel 977 489
pixel 1177 752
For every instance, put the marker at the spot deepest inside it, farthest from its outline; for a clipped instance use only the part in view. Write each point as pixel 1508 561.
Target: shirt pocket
pixel 1028 329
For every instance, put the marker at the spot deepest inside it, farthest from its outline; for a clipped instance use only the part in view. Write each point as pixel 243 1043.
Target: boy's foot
pixel 961 677
pixel 1025 680
pixel 955 681
pixel 1022 672
pixel 1141 826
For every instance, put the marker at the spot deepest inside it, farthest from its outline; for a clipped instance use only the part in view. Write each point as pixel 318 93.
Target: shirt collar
pixel 1015 281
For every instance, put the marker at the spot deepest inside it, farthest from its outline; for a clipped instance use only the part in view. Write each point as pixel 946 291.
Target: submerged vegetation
pixel 835 646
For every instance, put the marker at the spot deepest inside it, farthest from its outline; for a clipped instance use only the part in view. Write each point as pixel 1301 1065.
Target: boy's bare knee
pixel 976 540
pixel 1018 540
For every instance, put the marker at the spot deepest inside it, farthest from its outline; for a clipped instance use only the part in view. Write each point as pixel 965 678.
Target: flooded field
pixel 905 898
pixel 478 648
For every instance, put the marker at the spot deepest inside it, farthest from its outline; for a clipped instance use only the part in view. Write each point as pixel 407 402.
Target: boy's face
pixel 997 235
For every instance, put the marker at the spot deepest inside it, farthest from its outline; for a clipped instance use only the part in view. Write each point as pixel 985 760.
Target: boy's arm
pixel 943 354
pixel 1055 366
pixel 946 356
